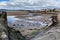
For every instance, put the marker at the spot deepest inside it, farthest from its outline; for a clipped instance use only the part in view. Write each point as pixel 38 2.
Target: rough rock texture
pixel 15 35
pixel 52 34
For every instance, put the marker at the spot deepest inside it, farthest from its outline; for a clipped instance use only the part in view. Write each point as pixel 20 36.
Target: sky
pixel 29 4
pixel 4 0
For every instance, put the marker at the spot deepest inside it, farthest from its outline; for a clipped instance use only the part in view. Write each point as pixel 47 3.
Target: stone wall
pixel 58 17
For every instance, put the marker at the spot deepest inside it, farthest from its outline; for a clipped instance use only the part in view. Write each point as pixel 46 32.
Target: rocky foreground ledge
pixel 52 34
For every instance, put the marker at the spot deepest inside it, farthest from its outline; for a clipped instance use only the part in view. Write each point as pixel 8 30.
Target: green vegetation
pixel 22 30
pixel 33 33
pixel 35 28
pixel 0 15
pixel 30 29
pixel 46 27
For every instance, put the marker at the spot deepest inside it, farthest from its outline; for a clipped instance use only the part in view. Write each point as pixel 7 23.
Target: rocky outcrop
pixel 15 35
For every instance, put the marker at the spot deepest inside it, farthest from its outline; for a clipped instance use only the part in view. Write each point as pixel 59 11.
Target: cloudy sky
pixel 29 4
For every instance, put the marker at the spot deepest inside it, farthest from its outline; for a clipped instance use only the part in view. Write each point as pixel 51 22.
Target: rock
pixel 3 35
pixel 58 30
